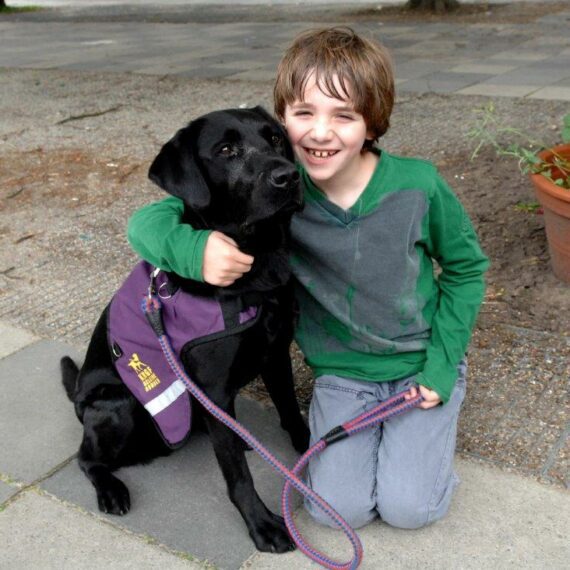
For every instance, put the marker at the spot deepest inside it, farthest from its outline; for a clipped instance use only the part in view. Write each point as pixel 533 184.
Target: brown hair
pixel 363 68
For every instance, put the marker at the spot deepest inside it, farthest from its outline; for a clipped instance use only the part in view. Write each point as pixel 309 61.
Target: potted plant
pixel 549 171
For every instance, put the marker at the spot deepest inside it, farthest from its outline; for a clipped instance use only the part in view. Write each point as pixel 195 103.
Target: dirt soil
pixel 74 153
pixel 81 193
pixel 522 290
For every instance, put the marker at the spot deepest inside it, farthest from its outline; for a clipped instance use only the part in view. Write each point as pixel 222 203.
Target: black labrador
pixel 234 171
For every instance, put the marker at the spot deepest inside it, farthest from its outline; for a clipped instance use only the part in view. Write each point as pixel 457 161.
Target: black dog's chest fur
pixel 228 364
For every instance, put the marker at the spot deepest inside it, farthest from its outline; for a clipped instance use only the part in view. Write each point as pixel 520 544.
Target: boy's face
pixel 327 135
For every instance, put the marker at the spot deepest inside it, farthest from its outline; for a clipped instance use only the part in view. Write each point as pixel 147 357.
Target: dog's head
pixel 233 167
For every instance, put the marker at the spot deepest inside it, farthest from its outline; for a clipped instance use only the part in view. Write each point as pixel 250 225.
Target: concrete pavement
pixel 512 60
pixel 49 517
pixel 48 513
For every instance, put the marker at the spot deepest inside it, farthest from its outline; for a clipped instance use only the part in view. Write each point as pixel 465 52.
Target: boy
pixel 374 320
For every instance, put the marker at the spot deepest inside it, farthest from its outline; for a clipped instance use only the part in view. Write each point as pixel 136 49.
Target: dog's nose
pixel 284 176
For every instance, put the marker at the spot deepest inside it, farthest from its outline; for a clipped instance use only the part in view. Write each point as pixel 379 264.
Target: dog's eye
pixel 276 140
pixel 228 150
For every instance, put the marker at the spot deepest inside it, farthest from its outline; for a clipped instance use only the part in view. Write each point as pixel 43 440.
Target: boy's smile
pixel 321 153
pixel 328 135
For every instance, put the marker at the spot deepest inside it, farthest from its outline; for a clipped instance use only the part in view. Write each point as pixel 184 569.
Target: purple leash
pixel 151 306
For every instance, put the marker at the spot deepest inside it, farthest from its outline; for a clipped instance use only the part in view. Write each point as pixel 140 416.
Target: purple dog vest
pixel 188 320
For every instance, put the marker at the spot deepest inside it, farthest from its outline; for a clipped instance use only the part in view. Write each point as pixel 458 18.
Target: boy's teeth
pixel 321 153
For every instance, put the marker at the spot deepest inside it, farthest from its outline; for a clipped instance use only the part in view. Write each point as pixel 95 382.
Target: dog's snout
pixel 284 177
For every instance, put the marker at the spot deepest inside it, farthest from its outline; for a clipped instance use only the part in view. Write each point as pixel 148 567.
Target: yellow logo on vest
pixel 148 378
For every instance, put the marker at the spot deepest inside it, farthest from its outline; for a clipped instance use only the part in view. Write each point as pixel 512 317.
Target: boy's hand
pixel 224 263
pixel 431 399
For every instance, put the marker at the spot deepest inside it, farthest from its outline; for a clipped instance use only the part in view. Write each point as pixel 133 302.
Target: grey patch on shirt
pixel 364 272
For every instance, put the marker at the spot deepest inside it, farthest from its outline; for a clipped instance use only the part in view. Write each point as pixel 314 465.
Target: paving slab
pixel 13 339
pixel 441 82
pixel 181 500
pixel 6 491
pixel 483 67
pixel 494 90
pixel 522 56
pixel 415 68
pixel 39 427
pixel 136 42
pixel 558 93
pixel 74 540
pixel 529 530
pixel 530 76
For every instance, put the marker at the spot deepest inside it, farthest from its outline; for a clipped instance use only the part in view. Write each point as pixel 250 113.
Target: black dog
pixel 234 171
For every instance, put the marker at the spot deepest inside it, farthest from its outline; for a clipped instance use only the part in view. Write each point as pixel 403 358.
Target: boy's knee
pixel 403 514
pixel 354 516
pixel 410 508
pixel 408 514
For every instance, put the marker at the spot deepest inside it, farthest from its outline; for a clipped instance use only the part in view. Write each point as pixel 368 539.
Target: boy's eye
pixel 346 117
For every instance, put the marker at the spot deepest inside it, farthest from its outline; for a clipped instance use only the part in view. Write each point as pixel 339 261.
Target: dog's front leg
pixel 266 529
pixel 277 376
pixel 103 442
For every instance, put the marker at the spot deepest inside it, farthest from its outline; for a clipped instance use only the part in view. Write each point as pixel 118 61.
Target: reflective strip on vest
pixel 170 395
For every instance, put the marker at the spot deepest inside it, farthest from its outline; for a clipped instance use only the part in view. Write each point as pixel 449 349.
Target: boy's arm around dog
pixel 156 231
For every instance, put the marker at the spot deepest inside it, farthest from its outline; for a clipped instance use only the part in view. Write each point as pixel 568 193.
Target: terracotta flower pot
pixel 555 202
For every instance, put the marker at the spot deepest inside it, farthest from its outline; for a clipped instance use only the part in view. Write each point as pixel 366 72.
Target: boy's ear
pixel 176 170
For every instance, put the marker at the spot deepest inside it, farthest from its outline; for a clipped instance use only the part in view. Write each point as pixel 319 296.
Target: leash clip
pixel 151 285
pixel 153 290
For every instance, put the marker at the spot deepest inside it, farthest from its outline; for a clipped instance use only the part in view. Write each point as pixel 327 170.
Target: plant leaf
pixel 566 128
pixel 528 207
pixel 529 156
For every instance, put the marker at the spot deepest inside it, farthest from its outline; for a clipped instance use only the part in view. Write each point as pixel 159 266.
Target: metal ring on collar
pixel 165 284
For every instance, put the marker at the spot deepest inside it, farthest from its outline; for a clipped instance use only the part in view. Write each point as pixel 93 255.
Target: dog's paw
pixel 270 535
pixel 114 498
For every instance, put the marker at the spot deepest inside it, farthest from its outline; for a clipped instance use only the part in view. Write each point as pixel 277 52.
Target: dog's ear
pixel 176 170
pixel 289 154
pixel 261 111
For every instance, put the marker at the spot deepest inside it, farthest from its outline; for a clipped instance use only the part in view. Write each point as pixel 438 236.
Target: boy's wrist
pixel 197 255
pixel 424 381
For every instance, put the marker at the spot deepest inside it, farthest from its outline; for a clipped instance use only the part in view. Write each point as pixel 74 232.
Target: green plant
pixel 528 207
pixel 488 130
pixel 11 10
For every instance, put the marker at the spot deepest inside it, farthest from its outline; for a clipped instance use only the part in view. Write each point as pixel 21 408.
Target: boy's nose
pixel 321 130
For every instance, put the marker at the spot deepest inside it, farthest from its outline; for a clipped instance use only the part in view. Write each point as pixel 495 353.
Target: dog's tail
pixel 69 372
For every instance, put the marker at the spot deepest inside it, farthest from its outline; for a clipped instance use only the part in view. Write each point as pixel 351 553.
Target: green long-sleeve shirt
pixel 370 306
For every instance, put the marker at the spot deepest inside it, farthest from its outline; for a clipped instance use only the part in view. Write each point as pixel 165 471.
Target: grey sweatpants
pixel 401 470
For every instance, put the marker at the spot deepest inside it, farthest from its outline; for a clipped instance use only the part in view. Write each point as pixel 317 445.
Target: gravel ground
pixel 74 151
